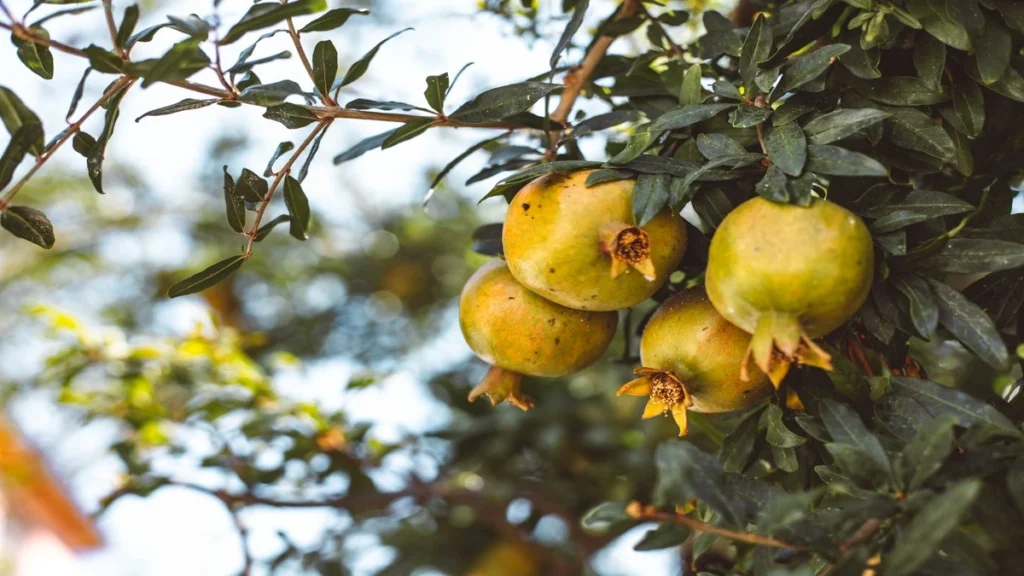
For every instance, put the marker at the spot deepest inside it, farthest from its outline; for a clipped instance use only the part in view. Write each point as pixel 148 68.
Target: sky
pixel 176 531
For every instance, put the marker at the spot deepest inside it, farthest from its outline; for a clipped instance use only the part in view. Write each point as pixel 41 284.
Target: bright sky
pixel 177 532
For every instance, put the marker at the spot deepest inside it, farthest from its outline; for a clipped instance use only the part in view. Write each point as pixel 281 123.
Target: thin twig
pixel 20 31
pixel 285 170
pixel 578 77
pixel 637 512
pixel 305 61
pixel 124 82
pixel 8 12
pixel 217 65
pixel 108 11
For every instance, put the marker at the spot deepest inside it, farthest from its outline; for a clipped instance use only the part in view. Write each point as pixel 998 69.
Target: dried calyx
pixel 666 391
pixel 777 343
pixel 628 246
pixel 501 385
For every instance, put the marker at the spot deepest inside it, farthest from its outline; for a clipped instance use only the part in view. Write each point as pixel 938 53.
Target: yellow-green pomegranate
pixel 691 358
pixel 581 248
pixel 520 333
pixel 788 274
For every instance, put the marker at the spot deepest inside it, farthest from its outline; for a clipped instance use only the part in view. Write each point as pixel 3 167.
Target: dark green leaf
pixel 924 312
pixel 604 516
pixel 840 124
pixel 500 103
pixel 579 11
pixel 333 19
pixel 145 35
pixel 128 23
pixel 208 277
pixel 637 144
pixel 251 187
pixel 270 13
pixel 808 67
pixel 929 60
pixel 928 450
pixel 747 116
pixel 83 143
pixel 974 256
pixel 915 130
pixel 313 149
pixel 785 459
pixel 927 202
pixel 969 105
pixel 181 61
pixel 408 131
pixel 608 175
pixel 77 96
pixel 14 114
pixel 250 64
pixel 836 161
pixel 28 224
pixel 778 435
pixel 363 146
pixel 1011 84
pixel 186 104
pixel 688 116
pixel 756 49
pixel 487 240
pixel 930 527
pixel 291 115
pixel 993 50
pixel 691 91
pixel 20 144
pixel 94 162
pixel 716 145
pixel 738 446
pixel 773 186
pixel 359 67
pixel 1015 483
pixel 455 162
pixel 270 94
pixel 36 57
pixel 191 25
pixel 242 64
pixel 234 204
pixel 604 121
pixel 267 228
pixel 61 13
pixel 667 535
pixel 103 60
pixel 650 196
pixel 437 89
pixel 846 427
pixel 726 89
pixel 364 104
pixel 283 147
pixel 651 164
pixel 298 206
pixel 970 325
pixel 712 207
pixel 325 66
pixel 787 148
pixel 900 91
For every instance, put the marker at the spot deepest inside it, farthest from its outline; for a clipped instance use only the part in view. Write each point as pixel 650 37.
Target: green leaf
pixel 716 145
pixel 993 50
pixel 333 19
pixel 291 115
pixel 840 124
pixel 579 11
pixel 691 91
pixel 408 131
pixel 298 206
pixel 778 435
pixel 969 105
pixel 808 67
pixel 650 196
pixel 59 14
pixel 325 66
pixel 970 325
pixel 313 149
pixel 604 121
pixel 103 60
pixel 181 61
pixel 929 60
pixel 186 104
pixel 270 13
pixel 500 103
pixel 726 89
pixel 773 186
pixel 359 67
pixel 20 145
pixel 846 427
pixel 604 516
pixel 756 49
pixel 146 35
pixel 929 528
pixel 939 400
pixel 915 130
pixel 667 535
pixel 83 143
pixel 234 204
pixel 365 104
pixel 712 207
pixel 94 161
pixel 863 63
pixel 363 146
pixel 128 23
pixel 28 224
pixel 836 161
pixel 637 144
pixel 900 91
pixel 242 64
pixel 208 277
pixel 437 89
pixel 270 94
pixel 787 148
pixel 927 451
pixel 608 175
pixel 924 312
pixel 283 147
pixel 974 256
pixel 455 162
pixel 738 446
pixel 1015 483
pixel 785 459
pixel 748 116
pixel 251 187
pixel 927 202
pixel 15 114
pixel 36 57
pixel 688 115
pixel 192 26
pixel 267 228
pixel 77 96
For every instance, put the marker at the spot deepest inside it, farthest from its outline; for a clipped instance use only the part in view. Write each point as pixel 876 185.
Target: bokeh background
pixel 353 333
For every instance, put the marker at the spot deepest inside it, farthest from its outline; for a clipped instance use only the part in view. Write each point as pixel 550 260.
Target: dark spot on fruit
pixel 557 341
pixel 551 270
pixel 526 207
pixel 704 329
pixel 551 321
pixel 511 297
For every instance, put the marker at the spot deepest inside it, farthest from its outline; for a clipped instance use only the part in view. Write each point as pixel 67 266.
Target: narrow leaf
pixel 28 224
pixel 840 124
pixel 359 67
pixel 234 204
pixel 836 161
pixel 208 277
pixel 970 325
pixel 267 14
pixel 930 527
pixel 579 11
pixel 292 116
pixel 333 19
pixel 787 148
pixel 325 66
pixel 499 103
pixel 437 89
pixel 407 131
pixel 186 104
pixel 650 196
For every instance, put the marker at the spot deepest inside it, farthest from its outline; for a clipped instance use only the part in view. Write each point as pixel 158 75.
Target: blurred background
pixel 330 370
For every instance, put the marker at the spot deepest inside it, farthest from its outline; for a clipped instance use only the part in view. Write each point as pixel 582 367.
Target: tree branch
pixel 305 60
pixel 124 82
pixel 20 31
pixel 108 11
pixel 637 511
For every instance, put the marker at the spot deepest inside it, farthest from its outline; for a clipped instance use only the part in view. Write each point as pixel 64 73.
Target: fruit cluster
pixel 778 276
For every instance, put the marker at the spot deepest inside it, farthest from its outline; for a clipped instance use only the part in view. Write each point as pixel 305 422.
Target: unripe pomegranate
pixel 690 359
pixel 581 248
pixel 788 274
pixel 520 333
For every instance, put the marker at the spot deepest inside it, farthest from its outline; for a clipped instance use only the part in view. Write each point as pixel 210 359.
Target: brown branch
pixel 23 33
pixel 674 49
pixel 6 11
pixel 638 512
pixel 108 12
pixel 124 82
pixel 578 77
pixel 277 182
pixel 305 61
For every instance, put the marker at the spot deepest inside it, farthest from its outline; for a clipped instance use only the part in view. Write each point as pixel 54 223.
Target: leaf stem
pixel 124 82
pixel 636 511
pixel 285 170
pixel 21 32
pixel 108 12
pixel 305 61
pixel 8 12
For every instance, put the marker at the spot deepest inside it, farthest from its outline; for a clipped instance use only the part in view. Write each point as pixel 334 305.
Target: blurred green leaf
pixel 210 276
pixel 28 224
pixel 267 14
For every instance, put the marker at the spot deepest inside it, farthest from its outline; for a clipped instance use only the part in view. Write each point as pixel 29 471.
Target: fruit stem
pixel 778 341
pixel 500 385
pixel 628 246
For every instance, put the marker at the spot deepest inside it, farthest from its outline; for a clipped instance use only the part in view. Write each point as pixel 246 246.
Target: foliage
pixel 901 111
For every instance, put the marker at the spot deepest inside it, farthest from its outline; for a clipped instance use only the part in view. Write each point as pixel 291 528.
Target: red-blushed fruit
pixel 690 359
pixel 580 246
pixel 787 274
pixel 520 333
